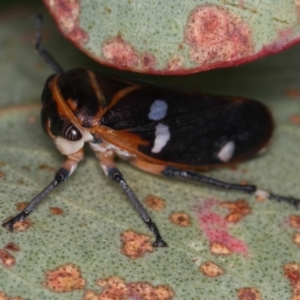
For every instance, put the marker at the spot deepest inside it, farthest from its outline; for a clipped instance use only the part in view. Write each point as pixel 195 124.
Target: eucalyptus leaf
pixel 178 37
pixel 92 213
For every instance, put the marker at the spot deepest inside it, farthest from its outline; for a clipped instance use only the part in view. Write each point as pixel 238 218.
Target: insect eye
pixel 70 132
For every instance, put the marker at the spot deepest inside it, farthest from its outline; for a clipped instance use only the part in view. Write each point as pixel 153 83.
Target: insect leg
pixel 50 60
pixel 171 172
pixel 250 189
pixel 62 174
pixel 107 164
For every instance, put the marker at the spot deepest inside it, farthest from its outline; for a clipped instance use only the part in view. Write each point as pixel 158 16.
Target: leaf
pixel 75 235
pixel 181 37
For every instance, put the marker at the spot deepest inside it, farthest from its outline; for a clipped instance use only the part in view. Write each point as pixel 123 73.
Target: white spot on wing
pixel 162 135
pixel 158 110
pixel 226 152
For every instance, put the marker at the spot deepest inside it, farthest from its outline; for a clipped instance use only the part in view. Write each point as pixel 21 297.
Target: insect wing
pixel 190 130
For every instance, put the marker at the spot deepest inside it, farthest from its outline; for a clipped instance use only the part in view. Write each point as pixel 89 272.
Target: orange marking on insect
pixel 72 104
pixel 122 139
pixel 99 95
pixel 148 166
pixel 62 107
pixel 121 94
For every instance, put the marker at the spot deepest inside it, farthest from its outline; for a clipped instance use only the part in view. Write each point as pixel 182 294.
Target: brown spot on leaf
pixel 292 92
pixel 135 245
pixel 12 247
pixel 292 273
pixel 295 119
pixel 114 288
pixel 47 167
pixel 180 218
pixel 233 167
pixel 65 278
pixel 22 225
pixel 294 221
pixel 243 182
pixel 3 296
pixel 144 290
pixel 211 269
pixel 21 205
pixel 56 211
pixel 249 293
pixel 217 35
pixel 296 239
pixel 260 199
pixel 155 202
pixel 2 175
pixel 31 119
pixel 238 209
pixel 219 249
pixel 66 13
pixel 7 259
pixel 122 54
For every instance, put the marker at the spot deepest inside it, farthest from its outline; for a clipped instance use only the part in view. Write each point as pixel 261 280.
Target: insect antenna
pixel 50 60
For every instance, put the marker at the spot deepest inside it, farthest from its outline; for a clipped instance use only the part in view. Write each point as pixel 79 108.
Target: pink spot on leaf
pixel 147 61
pixel 118 52
pixel 283 38
pixel 122 54
pixel 297 3
pixel 216 228
pixel 66 14
pixel 216 35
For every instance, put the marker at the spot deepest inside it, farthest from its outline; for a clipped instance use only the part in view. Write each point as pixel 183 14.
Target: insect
pixel 159 131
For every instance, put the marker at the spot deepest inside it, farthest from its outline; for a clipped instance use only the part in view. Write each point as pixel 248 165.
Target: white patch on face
pixel 162 135
pixel 226 153
pixel 158 110
pixel 67 147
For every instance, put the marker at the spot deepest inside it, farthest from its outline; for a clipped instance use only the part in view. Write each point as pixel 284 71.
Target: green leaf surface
pixel 177 37
pixel 96 212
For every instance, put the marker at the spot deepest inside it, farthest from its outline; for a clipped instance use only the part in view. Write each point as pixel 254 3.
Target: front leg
pixel 107 164
pixel 61 175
